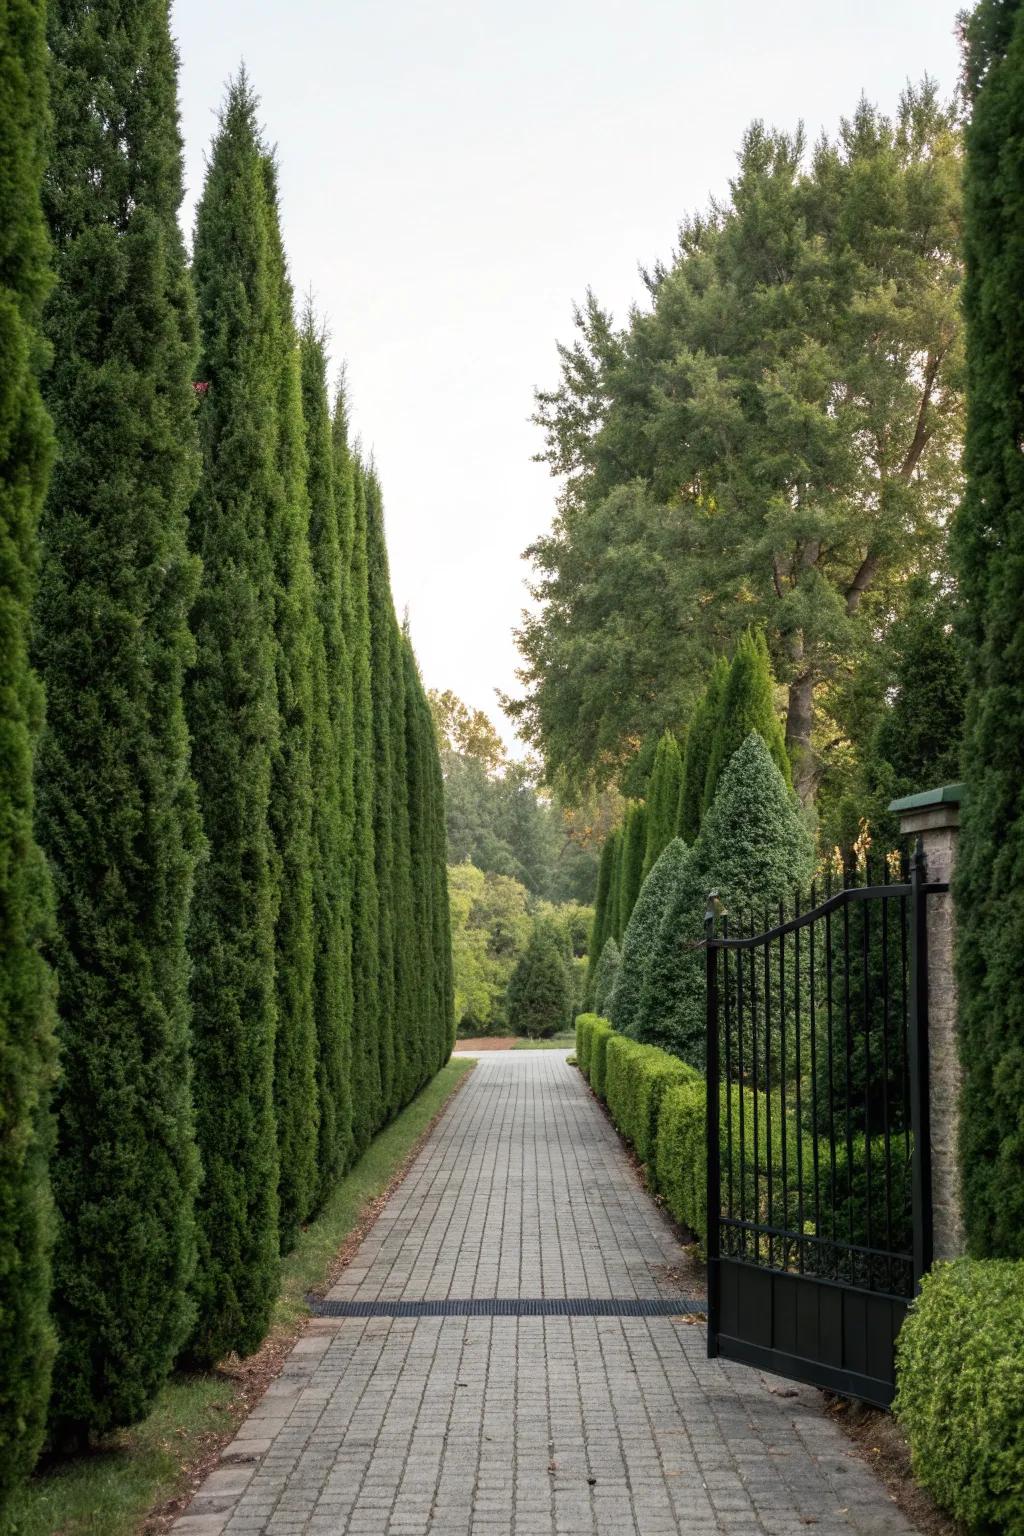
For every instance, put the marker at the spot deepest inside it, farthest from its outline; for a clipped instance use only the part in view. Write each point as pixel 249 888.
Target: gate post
pixel 934 818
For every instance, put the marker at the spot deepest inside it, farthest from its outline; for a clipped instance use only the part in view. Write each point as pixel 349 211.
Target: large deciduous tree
pixel 989 546
pixel 774 440
pixel 232 707
pixel 26 991
pixel 117 809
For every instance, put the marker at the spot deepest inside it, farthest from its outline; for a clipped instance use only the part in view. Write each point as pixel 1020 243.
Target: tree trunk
pixel 799 720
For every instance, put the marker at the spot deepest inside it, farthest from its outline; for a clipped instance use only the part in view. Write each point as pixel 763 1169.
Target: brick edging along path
pixel 529 1426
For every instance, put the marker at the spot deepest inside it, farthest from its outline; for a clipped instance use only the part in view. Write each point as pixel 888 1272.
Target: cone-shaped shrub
pixel 407 1024
pixel 424 1044
pixel 331 775
pixel 631 873
pixel 538 996
pixel 748 704
pixel 656 894
pixel 232 706
pixel 662 802
pixel 116 806
pixel 599 927
pixel 26 992
pixel 699 738
pixel 296 631
pixel 606 973
pixel 754 850
pixel 363 895
pixel 989 551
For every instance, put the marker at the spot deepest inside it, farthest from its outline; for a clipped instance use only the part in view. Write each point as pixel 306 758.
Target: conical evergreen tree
pixel 754 850
pixel 403 771
pixel 606 974
pixel 232 706
pixel 382 623
pixel 599 927
pixel 26 991
pixel 615 886
pixel 441 931
pixel 662 802
pixel 699 738
pixel 634 844
pixel 537 1000
pixel 989 551
pixel 656 894
pixel 425 1036
pixel 363 895
pixel 291 796
pixel 331 773
pixel 748 704
pixel 117 810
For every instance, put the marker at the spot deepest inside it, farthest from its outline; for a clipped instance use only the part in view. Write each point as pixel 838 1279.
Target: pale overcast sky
pixel 455 174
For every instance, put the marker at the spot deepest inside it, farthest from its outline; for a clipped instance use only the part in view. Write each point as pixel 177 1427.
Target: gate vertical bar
pixel 713 1133
pixel 918 1051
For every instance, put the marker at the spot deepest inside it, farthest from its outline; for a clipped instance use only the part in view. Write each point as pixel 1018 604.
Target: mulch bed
pixel 487 1043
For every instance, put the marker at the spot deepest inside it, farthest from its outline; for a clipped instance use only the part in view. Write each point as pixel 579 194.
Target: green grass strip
pixel 112 1490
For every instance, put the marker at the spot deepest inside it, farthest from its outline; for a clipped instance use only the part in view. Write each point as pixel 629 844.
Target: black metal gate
pixel 819 1209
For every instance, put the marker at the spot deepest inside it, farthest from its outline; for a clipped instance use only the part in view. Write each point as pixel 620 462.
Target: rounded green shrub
pixel 680 1158
pixel 602 1033
pixel 960 1390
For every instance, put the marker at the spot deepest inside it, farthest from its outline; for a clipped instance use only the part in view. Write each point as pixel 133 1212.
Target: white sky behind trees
pixel 454 175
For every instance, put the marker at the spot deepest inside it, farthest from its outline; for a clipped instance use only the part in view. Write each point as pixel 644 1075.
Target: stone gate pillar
pixel 934 816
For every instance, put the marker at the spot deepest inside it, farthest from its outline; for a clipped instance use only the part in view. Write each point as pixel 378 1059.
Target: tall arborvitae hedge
pixel 422 1004
pixel 296 630
pixel 363 894
pixel 989 549
pixel 382 664
pixel 662 801
pixel 747 704
pixel 232 705
pixel 117 809
pixel 331 773
pixel 443 964
pixel 408 1025
pixel 699 738
pixel 631 874
pixel 26 1004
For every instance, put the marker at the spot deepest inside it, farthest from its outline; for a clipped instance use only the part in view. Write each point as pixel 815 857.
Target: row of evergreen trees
pixel 739 698
pixel 236 856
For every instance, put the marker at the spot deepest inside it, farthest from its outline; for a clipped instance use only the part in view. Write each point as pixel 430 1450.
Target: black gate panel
pixel 819 1218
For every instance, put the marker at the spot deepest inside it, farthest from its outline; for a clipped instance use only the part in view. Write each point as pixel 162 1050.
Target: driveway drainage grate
pixel 515 1306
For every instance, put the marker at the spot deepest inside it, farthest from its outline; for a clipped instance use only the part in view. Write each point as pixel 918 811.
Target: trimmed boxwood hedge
pixel 960 1390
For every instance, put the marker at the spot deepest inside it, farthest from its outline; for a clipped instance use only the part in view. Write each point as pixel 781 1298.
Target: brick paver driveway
pixel 530 1426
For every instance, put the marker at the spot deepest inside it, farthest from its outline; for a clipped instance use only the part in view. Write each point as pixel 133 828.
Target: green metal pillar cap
pixel 948 794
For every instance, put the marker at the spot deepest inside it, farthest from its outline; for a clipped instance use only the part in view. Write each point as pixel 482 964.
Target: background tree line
pixel 522 871
pixel 228 838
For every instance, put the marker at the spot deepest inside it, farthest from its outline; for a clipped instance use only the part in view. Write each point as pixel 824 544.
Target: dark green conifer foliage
pixel 382 625
pixel 363 895
pixel 989 551
pixel 599 927
pixel 754 850
pixel 657 892
pixel 748 704
pixel 291 798
pixel 26 992
pixel 662 801
pixel 699 737
pixel 634 844
pixel 424 1041
pixel 407 1024
pixel 116 805
pixel 606 974
pixel 441 928
pixel 331 774
pixel 232 707
pixel 615 887
pixel 538 998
